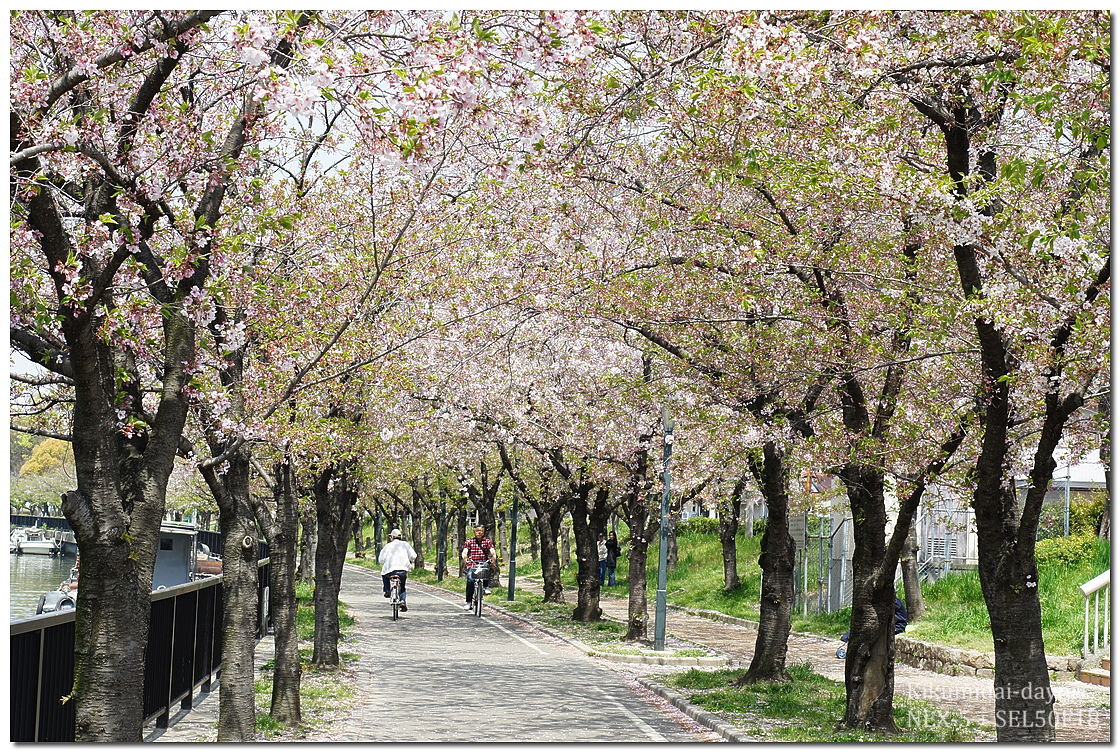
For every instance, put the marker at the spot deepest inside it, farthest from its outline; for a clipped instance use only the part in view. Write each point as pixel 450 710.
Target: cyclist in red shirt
pixel 477 550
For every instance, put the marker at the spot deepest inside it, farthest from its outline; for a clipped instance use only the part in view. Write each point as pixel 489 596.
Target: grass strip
pixel 808 708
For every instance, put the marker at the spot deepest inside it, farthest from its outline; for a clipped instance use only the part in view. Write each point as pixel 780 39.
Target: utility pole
pixel 513 544
pixel 663 552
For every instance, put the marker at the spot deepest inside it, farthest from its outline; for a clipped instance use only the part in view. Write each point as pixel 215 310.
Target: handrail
pixel 1095 584
pixel 1092 589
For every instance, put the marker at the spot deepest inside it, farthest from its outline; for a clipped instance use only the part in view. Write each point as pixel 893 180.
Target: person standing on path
pixel 602 545
pixel 477 550
pixel 613 552
pixel 396 558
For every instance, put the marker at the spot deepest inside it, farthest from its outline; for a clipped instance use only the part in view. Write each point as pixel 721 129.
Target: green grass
pixel 807 709
pixel 321 692
pixel 956 614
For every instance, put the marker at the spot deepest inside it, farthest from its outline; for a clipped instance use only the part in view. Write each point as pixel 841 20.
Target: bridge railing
pixel 183 657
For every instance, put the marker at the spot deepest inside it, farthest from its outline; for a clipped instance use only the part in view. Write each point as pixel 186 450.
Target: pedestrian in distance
pixel 602 546
pixel 397 557
pixel 900 617
pixel 477 550
pixel 613 552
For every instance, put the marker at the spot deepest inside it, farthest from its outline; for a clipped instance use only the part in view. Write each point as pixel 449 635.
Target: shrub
pixel 699 525
pixel 1085 514
pixel 1068 551
pixel 759 527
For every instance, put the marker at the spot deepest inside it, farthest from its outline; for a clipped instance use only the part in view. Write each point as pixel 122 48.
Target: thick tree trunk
pixel 333 504
pixel 776 560
pixel 111 633
pixel 287 673
pixel 548 526
pixel 588 520
pixel 534 535
pixel 869 667
pixel 911 581
pixel 565 545
pixel 236 710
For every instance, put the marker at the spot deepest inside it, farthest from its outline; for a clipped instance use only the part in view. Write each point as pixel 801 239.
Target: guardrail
pixel 183 656
pixel 1092 589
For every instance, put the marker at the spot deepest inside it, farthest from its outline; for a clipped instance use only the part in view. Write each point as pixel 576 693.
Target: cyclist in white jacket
pixel 396 558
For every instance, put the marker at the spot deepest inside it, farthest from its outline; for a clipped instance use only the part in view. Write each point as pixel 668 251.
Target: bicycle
pixel 395 594
pixel 481 575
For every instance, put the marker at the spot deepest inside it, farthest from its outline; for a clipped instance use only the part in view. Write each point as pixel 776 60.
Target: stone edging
pixel 696 713
pixel 962 662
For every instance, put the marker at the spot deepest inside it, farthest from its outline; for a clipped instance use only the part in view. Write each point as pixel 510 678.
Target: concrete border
pixel 696 713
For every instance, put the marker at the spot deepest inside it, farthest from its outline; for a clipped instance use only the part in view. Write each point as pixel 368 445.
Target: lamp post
pixel 441 551
pixel 513 544
pixel 663 550
pixel 1065 516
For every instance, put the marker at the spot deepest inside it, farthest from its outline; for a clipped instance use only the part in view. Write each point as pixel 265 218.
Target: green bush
pixel 1085 514
pixel 699 525
pixel 1068 551
pixel 759 527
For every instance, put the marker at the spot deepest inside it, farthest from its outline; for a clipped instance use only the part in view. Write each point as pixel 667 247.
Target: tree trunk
pixel 588 518
pixel 287 673
pixel 417 525
pixel 548 525
pixel 237 709
pixel 643 527
pixel 869 667
pixel 460 537
pixel 566 545
pixel 333 503
pixel 728 530
pixel 308 547
pixel 356 529
pixel 776 560
pixel 534 534
pixel 911 581
pixel 1104 408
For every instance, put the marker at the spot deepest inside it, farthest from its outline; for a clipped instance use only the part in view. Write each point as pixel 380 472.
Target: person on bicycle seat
pixel 396 558
pixel 477 550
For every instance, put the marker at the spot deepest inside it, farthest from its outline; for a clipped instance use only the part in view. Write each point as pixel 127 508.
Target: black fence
pixel 183 657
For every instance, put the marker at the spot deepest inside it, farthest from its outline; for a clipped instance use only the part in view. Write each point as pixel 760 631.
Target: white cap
pixel 395 533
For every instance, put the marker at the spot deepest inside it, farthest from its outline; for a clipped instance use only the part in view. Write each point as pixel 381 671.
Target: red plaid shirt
pixel 478 551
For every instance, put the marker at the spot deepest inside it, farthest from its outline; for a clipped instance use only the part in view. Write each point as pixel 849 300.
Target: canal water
pixel 31 576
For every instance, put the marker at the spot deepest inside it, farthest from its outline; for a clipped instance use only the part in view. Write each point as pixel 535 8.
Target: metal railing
pixel 1092 590
pixel 183 656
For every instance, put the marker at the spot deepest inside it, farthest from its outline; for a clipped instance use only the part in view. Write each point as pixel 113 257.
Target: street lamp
pixel 513 543
pixel 663 552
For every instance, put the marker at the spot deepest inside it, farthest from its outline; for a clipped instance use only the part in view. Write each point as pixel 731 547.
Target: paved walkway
pixel 1082 710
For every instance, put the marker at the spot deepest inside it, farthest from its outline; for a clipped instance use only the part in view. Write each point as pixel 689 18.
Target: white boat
pixel 17 535
pixel 180 558
pixel 36 542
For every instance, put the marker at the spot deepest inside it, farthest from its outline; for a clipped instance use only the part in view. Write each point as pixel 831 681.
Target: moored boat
pixel 179 559
pixel 36 542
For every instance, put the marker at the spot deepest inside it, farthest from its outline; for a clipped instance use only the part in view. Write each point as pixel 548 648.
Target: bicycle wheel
pixel 394 599
pixel 478 598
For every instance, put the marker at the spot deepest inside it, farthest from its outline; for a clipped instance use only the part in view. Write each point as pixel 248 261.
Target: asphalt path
pixel 442 674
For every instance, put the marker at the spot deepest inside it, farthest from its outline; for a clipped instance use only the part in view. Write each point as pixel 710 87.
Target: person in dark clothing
pixel 613 551
pixel 900 621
